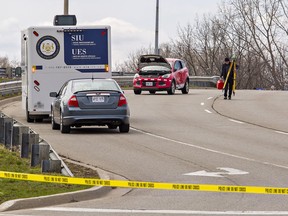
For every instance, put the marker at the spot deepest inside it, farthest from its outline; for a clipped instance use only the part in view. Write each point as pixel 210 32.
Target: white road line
pixel 208 111
pixel 232 120
pixel 209 98
pixel 182 212
pixel 202 104
pixel 280 132
pixel 207 149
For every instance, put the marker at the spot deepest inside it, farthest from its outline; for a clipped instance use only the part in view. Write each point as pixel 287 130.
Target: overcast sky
pixel 132 21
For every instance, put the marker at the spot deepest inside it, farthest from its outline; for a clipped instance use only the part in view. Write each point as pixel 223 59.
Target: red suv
pixel 156 73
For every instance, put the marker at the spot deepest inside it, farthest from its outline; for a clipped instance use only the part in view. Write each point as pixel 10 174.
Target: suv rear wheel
pixel 185 89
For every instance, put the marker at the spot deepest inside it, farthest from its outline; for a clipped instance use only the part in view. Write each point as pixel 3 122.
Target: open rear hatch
pixel 152 60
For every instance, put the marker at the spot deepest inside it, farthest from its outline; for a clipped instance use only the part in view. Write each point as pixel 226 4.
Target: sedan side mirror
pixel 53 94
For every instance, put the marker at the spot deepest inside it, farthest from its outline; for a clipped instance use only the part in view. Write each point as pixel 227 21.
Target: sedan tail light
pixel 73 102
pixel 122 100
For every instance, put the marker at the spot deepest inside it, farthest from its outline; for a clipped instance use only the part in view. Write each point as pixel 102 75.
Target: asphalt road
pixel 239 142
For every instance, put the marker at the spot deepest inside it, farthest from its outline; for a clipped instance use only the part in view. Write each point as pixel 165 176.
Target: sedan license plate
pixel 149 83
pixel 98 99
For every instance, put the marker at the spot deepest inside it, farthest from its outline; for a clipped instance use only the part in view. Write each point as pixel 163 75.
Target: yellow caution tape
pixel 144 185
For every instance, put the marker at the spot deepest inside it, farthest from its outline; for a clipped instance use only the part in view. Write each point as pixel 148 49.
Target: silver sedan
pixel 88 102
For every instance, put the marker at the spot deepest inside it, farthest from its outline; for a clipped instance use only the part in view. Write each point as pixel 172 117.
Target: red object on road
pixel 220 84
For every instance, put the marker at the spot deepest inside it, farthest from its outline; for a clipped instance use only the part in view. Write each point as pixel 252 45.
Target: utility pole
pixel 157 28
pixel 66 7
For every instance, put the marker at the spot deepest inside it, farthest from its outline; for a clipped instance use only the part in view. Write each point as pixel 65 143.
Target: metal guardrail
pixel 195 81
pixel 14 87
pixel 8 88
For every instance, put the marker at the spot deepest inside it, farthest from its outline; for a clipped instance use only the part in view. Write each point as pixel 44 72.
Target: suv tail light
pixel 73 102
pixel 122 100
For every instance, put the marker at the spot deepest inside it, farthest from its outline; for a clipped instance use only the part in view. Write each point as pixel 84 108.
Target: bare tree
pixel 255 31
pixel 4 62
pixel 258 18
pixel 130 65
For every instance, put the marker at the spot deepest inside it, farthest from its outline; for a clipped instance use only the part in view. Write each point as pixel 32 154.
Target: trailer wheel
pixel 28 118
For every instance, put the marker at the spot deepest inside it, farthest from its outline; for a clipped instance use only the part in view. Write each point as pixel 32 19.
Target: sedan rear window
pixel 97 85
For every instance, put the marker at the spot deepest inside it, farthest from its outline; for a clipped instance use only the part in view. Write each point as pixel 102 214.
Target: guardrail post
pixel 27 141
pixel 2 129
pixel 44 151
pixel 35 155
pixel 39 152
pixel 8 126
pixel 51 166
pixel 18 130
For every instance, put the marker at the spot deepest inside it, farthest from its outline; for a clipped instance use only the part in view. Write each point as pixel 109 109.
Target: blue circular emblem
pixel 48 47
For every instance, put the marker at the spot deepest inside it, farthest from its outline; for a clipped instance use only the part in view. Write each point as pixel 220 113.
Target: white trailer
pixel 52 55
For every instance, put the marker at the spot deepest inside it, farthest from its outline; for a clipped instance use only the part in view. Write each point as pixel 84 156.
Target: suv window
pixel 177 66
pixel 183 64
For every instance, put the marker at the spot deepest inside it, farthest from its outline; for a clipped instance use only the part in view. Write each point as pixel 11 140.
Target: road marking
pixel 147 211
pixel 202 104
pixel 209 98
pixel 239 122
pixel 207 149
pixel 280 132
pixel 208 111
pixel 228 171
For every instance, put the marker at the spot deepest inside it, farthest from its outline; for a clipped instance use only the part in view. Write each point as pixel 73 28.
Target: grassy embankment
pixel 14 189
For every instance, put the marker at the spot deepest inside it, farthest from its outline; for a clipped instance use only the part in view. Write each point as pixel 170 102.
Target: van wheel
pixel 63 128
pixel 172 89
pixel 185 90
pixel 124 128
pixel 28 118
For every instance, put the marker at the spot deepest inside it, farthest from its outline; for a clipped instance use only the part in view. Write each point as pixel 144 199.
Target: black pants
pixel 228 88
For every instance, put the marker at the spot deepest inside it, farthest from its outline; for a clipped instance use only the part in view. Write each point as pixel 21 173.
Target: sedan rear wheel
pixel 63 128
pixel 55 126
pixel 124 128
